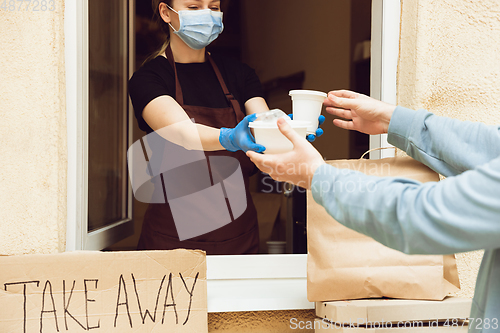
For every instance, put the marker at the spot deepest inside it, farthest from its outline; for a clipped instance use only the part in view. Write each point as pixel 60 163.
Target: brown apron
pixel 241 236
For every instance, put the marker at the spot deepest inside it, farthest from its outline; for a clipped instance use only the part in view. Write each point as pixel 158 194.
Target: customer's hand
pixel 363 113
pixel 297 166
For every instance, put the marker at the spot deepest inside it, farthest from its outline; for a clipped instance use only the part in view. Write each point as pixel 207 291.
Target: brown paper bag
pixel 343 264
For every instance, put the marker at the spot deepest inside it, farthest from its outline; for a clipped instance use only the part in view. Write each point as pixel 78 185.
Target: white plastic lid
pixel 307 92
pixel 271 115
pixel 267 124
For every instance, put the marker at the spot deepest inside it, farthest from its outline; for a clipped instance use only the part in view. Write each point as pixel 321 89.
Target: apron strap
pixel 178 90
pixel 235 104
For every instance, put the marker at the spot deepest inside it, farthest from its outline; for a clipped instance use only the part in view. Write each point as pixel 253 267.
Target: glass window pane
pixel 108 127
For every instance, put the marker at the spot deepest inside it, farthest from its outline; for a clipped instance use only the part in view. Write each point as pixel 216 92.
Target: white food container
pixel 268 134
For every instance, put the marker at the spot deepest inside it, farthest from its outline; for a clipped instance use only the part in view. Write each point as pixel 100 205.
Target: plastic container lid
pixel 307 92
pixel 271 115
pixel 267 124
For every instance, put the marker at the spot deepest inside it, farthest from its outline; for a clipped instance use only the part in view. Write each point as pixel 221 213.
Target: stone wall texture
pixel 262 321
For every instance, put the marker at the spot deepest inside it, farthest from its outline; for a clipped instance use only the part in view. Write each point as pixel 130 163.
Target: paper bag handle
pixel 375 149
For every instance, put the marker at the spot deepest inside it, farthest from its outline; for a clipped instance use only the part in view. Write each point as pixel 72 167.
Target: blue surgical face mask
pixel 198 28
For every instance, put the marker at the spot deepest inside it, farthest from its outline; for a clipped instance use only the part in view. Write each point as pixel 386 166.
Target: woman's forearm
pixel 168 119
pixel 209 137
pixel 256 105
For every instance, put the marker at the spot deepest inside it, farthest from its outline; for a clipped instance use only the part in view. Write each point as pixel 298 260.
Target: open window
pixel 99 53
pixel 288 41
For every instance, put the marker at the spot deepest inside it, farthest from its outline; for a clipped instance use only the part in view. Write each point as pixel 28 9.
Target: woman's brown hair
pixel 162 24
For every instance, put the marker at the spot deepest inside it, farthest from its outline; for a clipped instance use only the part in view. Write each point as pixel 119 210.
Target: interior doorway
pixel 318 45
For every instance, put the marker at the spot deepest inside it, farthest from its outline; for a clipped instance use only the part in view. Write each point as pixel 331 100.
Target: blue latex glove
pixel 240 137
pixel 319 131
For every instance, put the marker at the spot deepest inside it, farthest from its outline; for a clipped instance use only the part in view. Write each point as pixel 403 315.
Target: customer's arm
pixel 460 213
pixel 447 145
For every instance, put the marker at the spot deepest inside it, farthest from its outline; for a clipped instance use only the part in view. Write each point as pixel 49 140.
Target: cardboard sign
pixel 149 291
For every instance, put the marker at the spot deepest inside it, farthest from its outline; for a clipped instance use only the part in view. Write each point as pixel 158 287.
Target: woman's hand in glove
pixel 240 137
pixel 319 131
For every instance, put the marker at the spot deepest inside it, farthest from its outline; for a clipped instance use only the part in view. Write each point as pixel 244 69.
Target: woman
pixel 203 99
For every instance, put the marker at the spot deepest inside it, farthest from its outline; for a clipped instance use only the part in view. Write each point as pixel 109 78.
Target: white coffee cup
pixel 306 106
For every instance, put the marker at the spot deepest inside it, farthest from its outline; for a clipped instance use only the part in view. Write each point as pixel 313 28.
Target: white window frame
pixel 386 16
pixel 235 283
pixel 77 95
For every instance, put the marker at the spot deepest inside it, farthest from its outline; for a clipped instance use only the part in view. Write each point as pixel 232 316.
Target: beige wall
pixel 33 155
pixel 312 37
pixel 261 321
pixel 450 65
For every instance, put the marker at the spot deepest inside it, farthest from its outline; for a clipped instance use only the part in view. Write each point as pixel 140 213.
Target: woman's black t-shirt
pixel 199 84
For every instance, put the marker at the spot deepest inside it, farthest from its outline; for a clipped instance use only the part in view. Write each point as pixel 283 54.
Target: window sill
pixel 257 283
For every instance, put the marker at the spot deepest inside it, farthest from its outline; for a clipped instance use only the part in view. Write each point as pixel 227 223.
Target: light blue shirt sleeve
pixel 460 213
pixel 448 146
